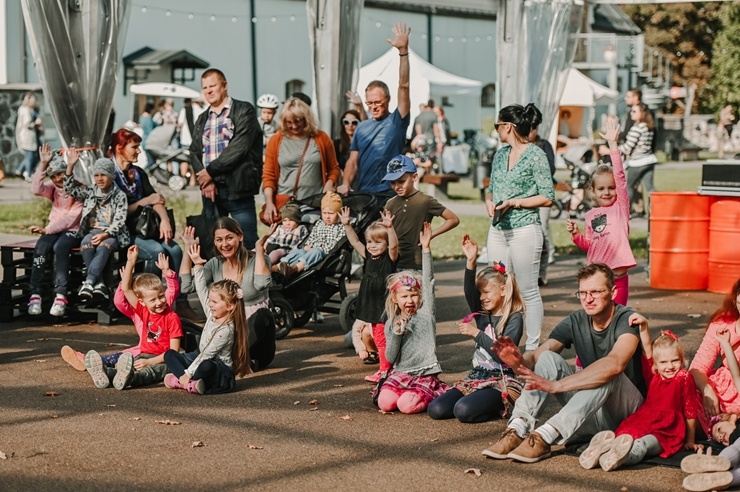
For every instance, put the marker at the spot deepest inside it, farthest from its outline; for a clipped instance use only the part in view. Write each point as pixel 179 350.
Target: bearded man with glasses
pixel 609 388
pixel 383 136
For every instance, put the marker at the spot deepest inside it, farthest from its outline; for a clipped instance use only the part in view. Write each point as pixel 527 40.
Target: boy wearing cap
pixel 325 234
pixel 59 236
pixel 411 208
pixel 287 235
pixel 103 224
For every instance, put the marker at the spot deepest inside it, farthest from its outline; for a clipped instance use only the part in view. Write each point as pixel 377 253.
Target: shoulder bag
pixel 280 199
pixel 147 223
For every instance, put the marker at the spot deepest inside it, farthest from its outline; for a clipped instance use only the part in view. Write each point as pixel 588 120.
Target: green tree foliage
pixel 684 33
pixel 725 85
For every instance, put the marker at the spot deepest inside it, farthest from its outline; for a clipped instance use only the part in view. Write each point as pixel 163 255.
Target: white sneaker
pixel 59 307
pixel 34 305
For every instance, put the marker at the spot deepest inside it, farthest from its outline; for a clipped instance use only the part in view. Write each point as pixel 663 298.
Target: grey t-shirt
pixel 591 345
pixel 289 158
pixel 426 119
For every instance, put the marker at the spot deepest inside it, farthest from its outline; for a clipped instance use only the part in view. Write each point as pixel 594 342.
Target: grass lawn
pixel 17 217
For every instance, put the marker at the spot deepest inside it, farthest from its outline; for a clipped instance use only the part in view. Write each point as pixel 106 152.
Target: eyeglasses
pixel 372 104
pixel 594 294
pixel 496 125
pixel 350 122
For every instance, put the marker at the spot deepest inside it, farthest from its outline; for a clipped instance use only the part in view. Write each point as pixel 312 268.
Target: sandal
pixel 372 358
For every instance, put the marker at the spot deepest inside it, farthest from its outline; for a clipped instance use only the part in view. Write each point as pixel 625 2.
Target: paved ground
pixel 268 435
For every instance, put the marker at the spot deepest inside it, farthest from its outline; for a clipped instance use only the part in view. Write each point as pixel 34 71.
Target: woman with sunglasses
pixel 520 184
pixel 299 158
pixel 349 121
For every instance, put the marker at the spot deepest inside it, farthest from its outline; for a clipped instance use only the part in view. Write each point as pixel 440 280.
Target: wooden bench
pixel 688 153
pixel 17 260
pixel 437 184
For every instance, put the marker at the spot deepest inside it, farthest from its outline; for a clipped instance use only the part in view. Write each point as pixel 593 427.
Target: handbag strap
pixel 300 166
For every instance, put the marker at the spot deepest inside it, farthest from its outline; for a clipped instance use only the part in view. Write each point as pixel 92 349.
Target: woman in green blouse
pixel 520 184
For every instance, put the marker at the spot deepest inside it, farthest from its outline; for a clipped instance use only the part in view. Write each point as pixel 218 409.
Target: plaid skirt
pixel 507 384
pixel 427 387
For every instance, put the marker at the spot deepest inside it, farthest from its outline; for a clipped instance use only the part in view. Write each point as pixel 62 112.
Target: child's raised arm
pixel 647 344
pixel 127 272
pixel 723 337
pixel 200 284
pixel 354 240
pixel 387 220
pixel 611 134
pixel 470 248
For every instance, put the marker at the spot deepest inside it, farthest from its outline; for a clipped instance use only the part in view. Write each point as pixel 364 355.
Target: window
pixel 488 96
pixel 293 86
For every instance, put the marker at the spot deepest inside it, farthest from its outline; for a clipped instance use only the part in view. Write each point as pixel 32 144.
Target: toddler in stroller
pixel 295 299
pixel 169 161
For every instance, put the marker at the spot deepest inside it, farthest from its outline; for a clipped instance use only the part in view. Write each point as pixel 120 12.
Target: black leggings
pixel 479 406
pixel 177 363
pixel 262 351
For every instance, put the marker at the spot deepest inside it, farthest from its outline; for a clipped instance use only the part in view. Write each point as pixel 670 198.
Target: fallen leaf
pixel 2 456
pixel 435 439
pixel 385 413
pixel 51 393
pixel 197 444
pixel 55 416
pixel 297 402
pixel 313 409
pixel 40 360
pixel 168 422
pixel 109 344
pixel 252 446
pixel 623 489
pixel 110 405
pixel 313 402
pixel 135 418
pixel 694 315
pixel 475 471
pixel 346 417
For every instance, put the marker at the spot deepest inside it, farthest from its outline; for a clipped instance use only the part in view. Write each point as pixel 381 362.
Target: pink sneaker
pixel 197 386
pixel 73 358
pixel 171 381
pixel 373 378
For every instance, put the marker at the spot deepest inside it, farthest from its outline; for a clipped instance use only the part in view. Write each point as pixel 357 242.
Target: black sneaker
pixel 86 292
pixel 101 290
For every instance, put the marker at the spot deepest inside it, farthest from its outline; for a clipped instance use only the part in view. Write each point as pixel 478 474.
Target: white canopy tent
pixel 164 89
pixel 426 80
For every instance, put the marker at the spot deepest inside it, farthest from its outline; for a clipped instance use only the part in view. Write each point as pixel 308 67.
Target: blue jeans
pixel 61 244
pixel 149 250
pixel 30 159
pixel 241 210
pixel 96 256
pixel 308 258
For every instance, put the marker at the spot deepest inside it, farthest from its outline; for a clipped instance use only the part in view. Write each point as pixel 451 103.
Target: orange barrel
pixel 724 244
pixel 679 240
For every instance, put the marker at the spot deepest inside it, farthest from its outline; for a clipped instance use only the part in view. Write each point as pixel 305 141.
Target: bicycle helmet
pixel 269 101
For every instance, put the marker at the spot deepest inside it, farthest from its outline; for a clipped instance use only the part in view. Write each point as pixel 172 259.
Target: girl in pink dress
pixel 716 385
pixel 606 239
pixel 666 423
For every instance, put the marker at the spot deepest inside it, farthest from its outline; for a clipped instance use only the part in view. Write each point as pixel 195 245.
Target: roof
pixel 149 58
pixel 612 19
pixel 463 8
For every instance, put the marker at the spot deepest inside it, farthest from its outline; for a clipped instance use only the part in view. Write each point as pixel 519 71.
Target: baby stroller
pixel 574 201
pixel 159 144
pixel 295 300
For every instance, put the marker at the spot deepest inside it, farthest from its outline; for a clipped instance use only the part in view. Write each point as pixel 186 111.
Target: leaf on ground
pixel 694 315
pixel 2 456
pixel 313 402
pixel 109 344
pixel 197 444
pixel 168 422
pixel 135 418
pixel 40 360
pixel 55 416
pixel 435 439
pixel 297 402
pixel 313 409
pixel 385 413
pixel 252 446
pixel 51 393
pixel 346 417
pixel 474 471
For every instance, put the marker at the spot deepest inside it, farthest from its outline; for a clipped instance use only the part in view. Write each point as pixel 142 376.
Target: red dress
pixel 669 403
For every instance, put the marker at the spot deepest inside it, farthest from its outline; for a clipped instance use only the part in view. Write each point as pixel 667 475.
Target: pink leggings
pixel 623 289
pixel 407 402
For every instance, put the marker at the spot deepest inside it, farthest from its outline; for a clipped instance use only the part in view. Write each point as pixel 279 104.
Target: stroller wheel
pixel 283 313
pixel 347 312
pixel 176 183
pixel 556 209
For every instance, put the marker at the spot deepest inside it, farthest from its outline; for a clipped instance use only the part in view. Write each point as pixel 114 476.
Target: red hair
pixel 121 138
pixel 728 313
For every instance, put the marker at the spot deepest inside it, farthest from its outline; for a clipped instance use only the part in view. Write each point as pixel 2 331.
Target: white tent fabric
pixel 581 90
pixel 164 89
pixel 426 80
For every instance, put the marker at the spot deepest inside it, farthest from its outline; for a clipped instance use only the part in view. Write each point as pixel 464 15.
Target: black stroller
pixel 295 300
pixel 574 200
pixel 159 145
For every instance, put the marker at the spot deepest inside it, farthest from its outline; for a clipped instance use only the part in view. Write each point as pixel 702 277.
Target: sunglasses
pixel 350 122
pixel 496 125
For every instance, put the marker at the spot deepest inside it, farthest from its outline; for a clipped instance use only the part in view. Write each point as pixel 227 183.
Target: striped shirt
pixel 638 142
pixel 217 133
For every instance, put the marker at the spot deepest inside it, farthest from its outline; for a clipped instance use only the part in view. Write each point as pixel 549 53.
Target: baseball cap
pixel 398 166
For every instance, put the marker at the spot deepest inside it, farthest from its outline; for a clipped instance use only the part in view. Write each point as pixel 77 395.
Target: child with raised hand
pixel 606 239
pixel 666 423
pixel 223 351
pixel 380 253
pixel 410 333
pixel 59 236
pixel 159 328
pixel 77 359
pixel 103 223
pixel 497 309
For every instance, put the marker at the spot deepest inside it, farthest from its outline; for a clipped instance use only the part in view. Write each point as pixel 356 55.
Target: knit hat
pixel 291 211
pixel 105 166
pixel 331 200
pixel 56 166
